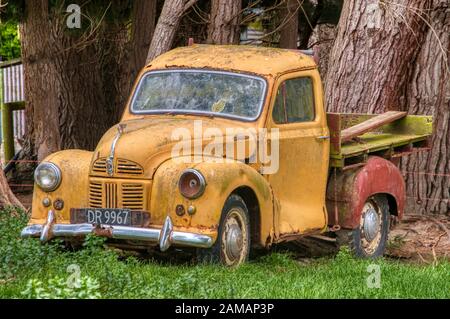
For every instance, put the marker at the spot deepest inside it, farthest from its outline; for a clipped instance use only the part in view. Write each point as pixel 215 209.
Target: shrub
pixel 9 41
pixel 60 288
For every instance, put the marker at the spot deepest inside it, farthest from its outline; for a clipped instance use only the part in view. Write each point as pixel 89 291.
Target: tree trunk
pixel 7 198
pixel 128 59
pixel 428 174
pixel 167 26
pixel 322 40
pixel 144 17
pixel 289 24
pixel 73 104
pixel 42 125
pixel 76 82
pixel 224 22
pixel 373 55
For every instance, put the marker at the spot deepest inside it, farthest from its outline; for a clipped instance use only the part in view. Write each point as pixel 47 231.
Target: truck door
pixel 299 185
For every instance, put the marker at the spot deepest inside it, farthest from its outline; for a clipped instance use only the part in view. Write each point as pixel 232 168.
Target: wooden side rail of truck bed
pixel 353 137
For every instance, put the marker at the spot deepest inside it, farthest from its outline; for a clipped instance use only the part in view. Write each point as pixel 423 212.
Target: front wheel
pixel 369 239
pixel 232 246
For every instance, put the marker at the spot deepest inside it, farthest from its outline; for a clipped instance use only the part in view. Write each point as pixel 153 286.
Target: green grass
pixel 31 270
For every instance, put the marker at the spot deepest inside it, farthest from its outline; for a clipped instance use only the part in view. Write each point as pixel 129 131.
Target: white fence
pixel 13 91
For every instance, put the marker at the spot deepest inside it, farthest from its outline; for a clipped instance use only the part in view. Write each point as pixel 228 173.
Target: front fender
pixel 351 188
pixel 74 188
pixel 221 180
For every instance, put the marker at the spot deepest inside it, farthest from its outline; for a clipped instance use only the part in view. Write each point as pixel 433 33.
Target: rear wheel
pixel 232 246
pixel 369 239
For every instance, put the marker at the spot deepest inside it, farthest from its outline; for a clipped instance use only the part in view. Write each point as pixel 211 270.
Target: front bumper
pixel 164 237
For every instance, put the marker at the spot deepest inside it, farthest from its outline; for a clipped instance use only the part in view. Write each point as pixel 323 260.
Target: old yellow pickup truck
pixel 222 149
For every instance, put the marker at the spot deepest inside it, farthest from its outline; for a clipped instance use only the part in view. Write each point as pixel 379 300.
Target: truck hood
pixel 149 141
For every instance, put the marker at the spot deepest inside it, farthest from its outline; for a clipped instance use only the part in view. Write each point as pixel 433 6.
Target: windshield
pixel 186 91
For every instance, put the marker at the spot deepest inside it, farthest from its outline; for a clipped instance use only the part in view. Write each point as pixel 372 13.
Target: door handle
pixel 322 138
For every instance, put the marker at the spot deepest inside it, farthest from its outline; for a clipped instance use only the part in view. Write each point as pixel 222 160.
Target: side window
pixel 294 102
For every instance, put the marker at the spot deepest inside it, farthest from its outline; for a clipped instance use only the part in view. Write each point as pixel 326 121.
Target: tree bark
pixel 428 174
pixel 7 197
pixel 322 40
pixel 67 104
pixel 224 22
pixel 289 23
pixel 77 82
pixel 144 17
pixel 36 59
pixel 128 59
pixel 372 58
pixel 167 26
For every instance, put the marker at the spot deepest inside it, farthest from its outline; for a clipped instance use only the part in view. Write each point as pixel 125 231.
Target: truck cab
pixel 221 149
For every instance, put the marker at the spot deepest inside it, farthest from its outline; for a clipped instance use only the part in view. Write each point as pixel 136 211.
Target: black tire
pixel 370 244
pixel 234 215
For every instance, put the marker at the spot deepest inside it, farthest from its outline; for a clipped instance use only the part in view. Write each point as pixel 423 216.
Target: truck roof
pixel 239 58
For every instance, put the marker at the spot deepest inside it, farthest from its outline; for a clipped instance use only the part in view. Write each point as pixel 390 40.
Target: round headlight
pixel 191 184
pixel 47 176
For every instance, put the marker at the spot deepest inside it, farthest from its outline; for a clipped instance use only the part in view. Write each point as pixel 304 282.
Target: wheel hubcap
pixel 370 227
pixel 371 224
pixel 234 241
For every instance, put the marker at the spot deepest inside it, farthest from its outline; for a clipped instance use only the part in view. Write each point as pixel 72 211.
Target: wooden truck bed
pixel 353 137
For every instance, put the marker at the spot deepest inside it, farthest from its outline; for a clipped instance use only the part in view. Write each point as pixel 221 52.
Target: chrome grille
pixel 128 167
pixel 107 194
pixel 111 196
pixel 133 196
pixel 121 167
pixel 95 194
pixel 99 166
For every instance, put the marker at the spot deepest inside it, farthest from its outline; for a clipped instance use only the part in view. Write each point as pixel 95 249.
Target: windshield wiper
pixel 209 115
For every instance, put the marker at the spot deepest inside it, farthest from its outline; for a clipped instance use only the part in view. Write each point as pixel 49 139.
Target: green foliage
pixel 58 288
pixel 31 270
pixel 92 242
pixel 16 254
pixel 9 41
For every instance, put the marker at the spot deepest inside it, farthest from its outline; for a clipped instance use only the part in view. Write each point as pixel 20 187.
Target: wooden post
pixel 7 125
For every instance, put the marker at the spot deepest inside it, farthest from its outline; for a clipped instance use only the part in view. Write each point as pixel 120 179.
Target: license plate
pixel 109 216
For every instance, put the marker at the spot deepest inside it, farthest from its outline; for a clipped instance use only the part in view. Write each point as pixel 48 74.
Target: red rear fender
pixel 350 190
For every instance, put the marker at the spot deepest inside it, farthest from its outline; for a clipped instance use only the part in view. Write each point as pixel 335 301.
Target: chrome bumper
pixel 165 237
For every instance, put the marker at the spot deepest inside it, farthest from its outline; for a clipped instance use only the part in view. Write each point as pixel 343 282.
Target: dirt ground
pixel 416 238
pixel 420 238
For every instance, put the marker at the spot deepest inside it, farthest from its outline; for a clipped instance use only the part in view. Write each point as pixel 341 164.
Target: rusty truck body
pixel 335 172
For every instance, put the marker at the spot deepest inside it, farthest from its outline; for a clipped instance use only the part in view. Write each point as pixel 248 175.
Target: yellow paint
pixel 74 188
pixel 222 179
pixel 290 202
pixel 300 183
pixel 252 59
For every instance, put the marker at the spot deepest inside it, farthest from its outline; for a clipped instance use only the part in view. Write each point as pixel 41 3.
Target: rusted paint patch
pixel 103 232
pixel 334 124
pixel 256 60
pixel 354 187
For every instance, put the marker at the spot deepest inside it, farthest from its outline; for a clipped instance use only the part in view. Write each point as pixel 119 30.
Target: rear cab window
pixel 294 101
